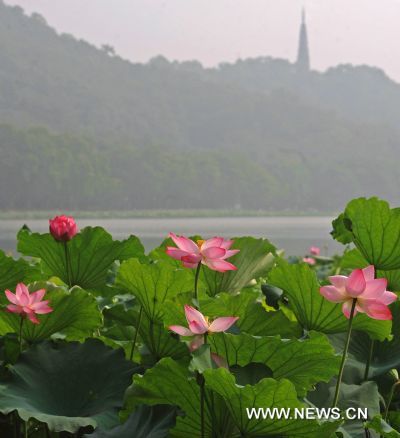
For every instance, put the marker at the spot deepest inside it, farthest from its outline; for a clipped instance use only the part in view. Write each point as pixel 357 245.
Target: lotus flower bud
pixel 63 228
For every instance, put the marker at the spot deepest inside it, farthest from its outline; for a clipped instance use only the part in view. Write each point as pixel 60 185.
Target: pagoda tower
pixel 303 56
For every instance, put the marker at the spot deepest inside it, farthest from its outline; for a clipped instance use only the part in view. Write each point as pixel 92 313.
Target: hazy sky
pixel 340 31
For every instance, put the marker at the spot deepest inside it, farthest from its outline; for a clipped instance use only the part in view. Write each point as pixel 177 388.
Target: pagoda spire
pixel 303 56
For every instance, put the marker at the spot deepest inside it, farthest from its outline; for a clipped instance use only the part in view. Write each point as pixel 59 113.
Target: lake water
pixel 293 234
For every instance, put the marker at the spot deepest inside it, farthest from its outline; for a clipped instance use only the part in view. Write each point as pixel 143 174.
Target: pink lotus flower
pixel 309 261
pixel 211 252
pixel 371 294
pixel 26 304
pixel 314 250
pixel 199 325
pixel 63 228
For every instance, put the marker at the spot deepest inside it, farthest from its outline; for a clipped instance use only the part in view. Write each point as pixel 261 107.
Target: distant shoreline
pixel 133 214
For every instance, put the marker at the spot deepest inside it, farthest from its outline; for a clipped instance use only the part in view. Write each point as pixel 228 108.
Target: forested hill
pixel 83 128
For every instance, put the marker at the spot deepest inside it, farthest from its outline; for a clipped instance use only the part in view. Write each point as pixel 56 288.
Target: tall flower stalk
pixel 67 264
pixel 202 397
pixel 21 323
pixel 369 360
pixel 63 229
pixel 344 355
pixel 390 398
pixel 193 254
pixel 136 332
pixel 196 284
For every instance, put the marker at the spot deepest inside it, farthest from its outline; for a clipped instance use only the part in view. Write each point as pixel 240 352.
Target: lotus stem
pixel 15 424
pixel 346 347
pixel 202 392
pixel 369 360
pixel 202 406
pixel 136 332
pixel 390 398
pixel 21 323
pixel 196 281
pixel 67 264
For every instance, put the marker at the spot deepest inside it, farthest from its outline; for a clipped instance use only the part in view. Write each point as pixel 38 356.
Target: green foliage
pixel 92 253
pixel 201 359
pixel 153 284
pixel 145 422
pixel 312 310
pixel 268 393
pixel 364 396
pixel 170 383
pixel 353 259
pixel 384 429
pixel 16 271
pixel 49 379
pixel 385 355
pixel 304 362
pixel 342 229
pixel 160 341
pixel 375 230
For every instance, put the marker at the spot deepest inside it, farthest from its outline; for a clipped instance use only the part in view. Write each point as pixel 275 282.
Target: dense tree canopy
pixel 83 128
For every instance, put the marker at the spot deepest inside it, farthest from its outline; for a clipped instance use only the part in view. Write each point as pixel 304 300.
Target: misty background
pixel 141 105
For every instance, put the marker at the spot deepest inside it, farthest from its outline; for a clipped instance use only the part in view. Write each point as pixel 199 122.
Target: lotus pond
pixel 199 338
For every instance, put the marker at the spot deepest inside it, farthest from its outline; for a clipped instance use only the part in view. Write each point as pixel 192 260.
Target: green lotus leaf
pixel 393 278
pixel 170 383
pixel 312 310
pixel 92 253
pixel 364 397
pixel 153 284
pixel 376 231
pixel 201 359
pixel 354 259
pixel 67 386
pixel 160 342
pixel 145 422
pixel 394 419
pixel 250 374
pixel 268 393
pixel 304 362
pixel 75 314
pixel 9 351
pixel 384 429
pixel 255 259
pixel 340 229
pixel 385 355
pixel 16 271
